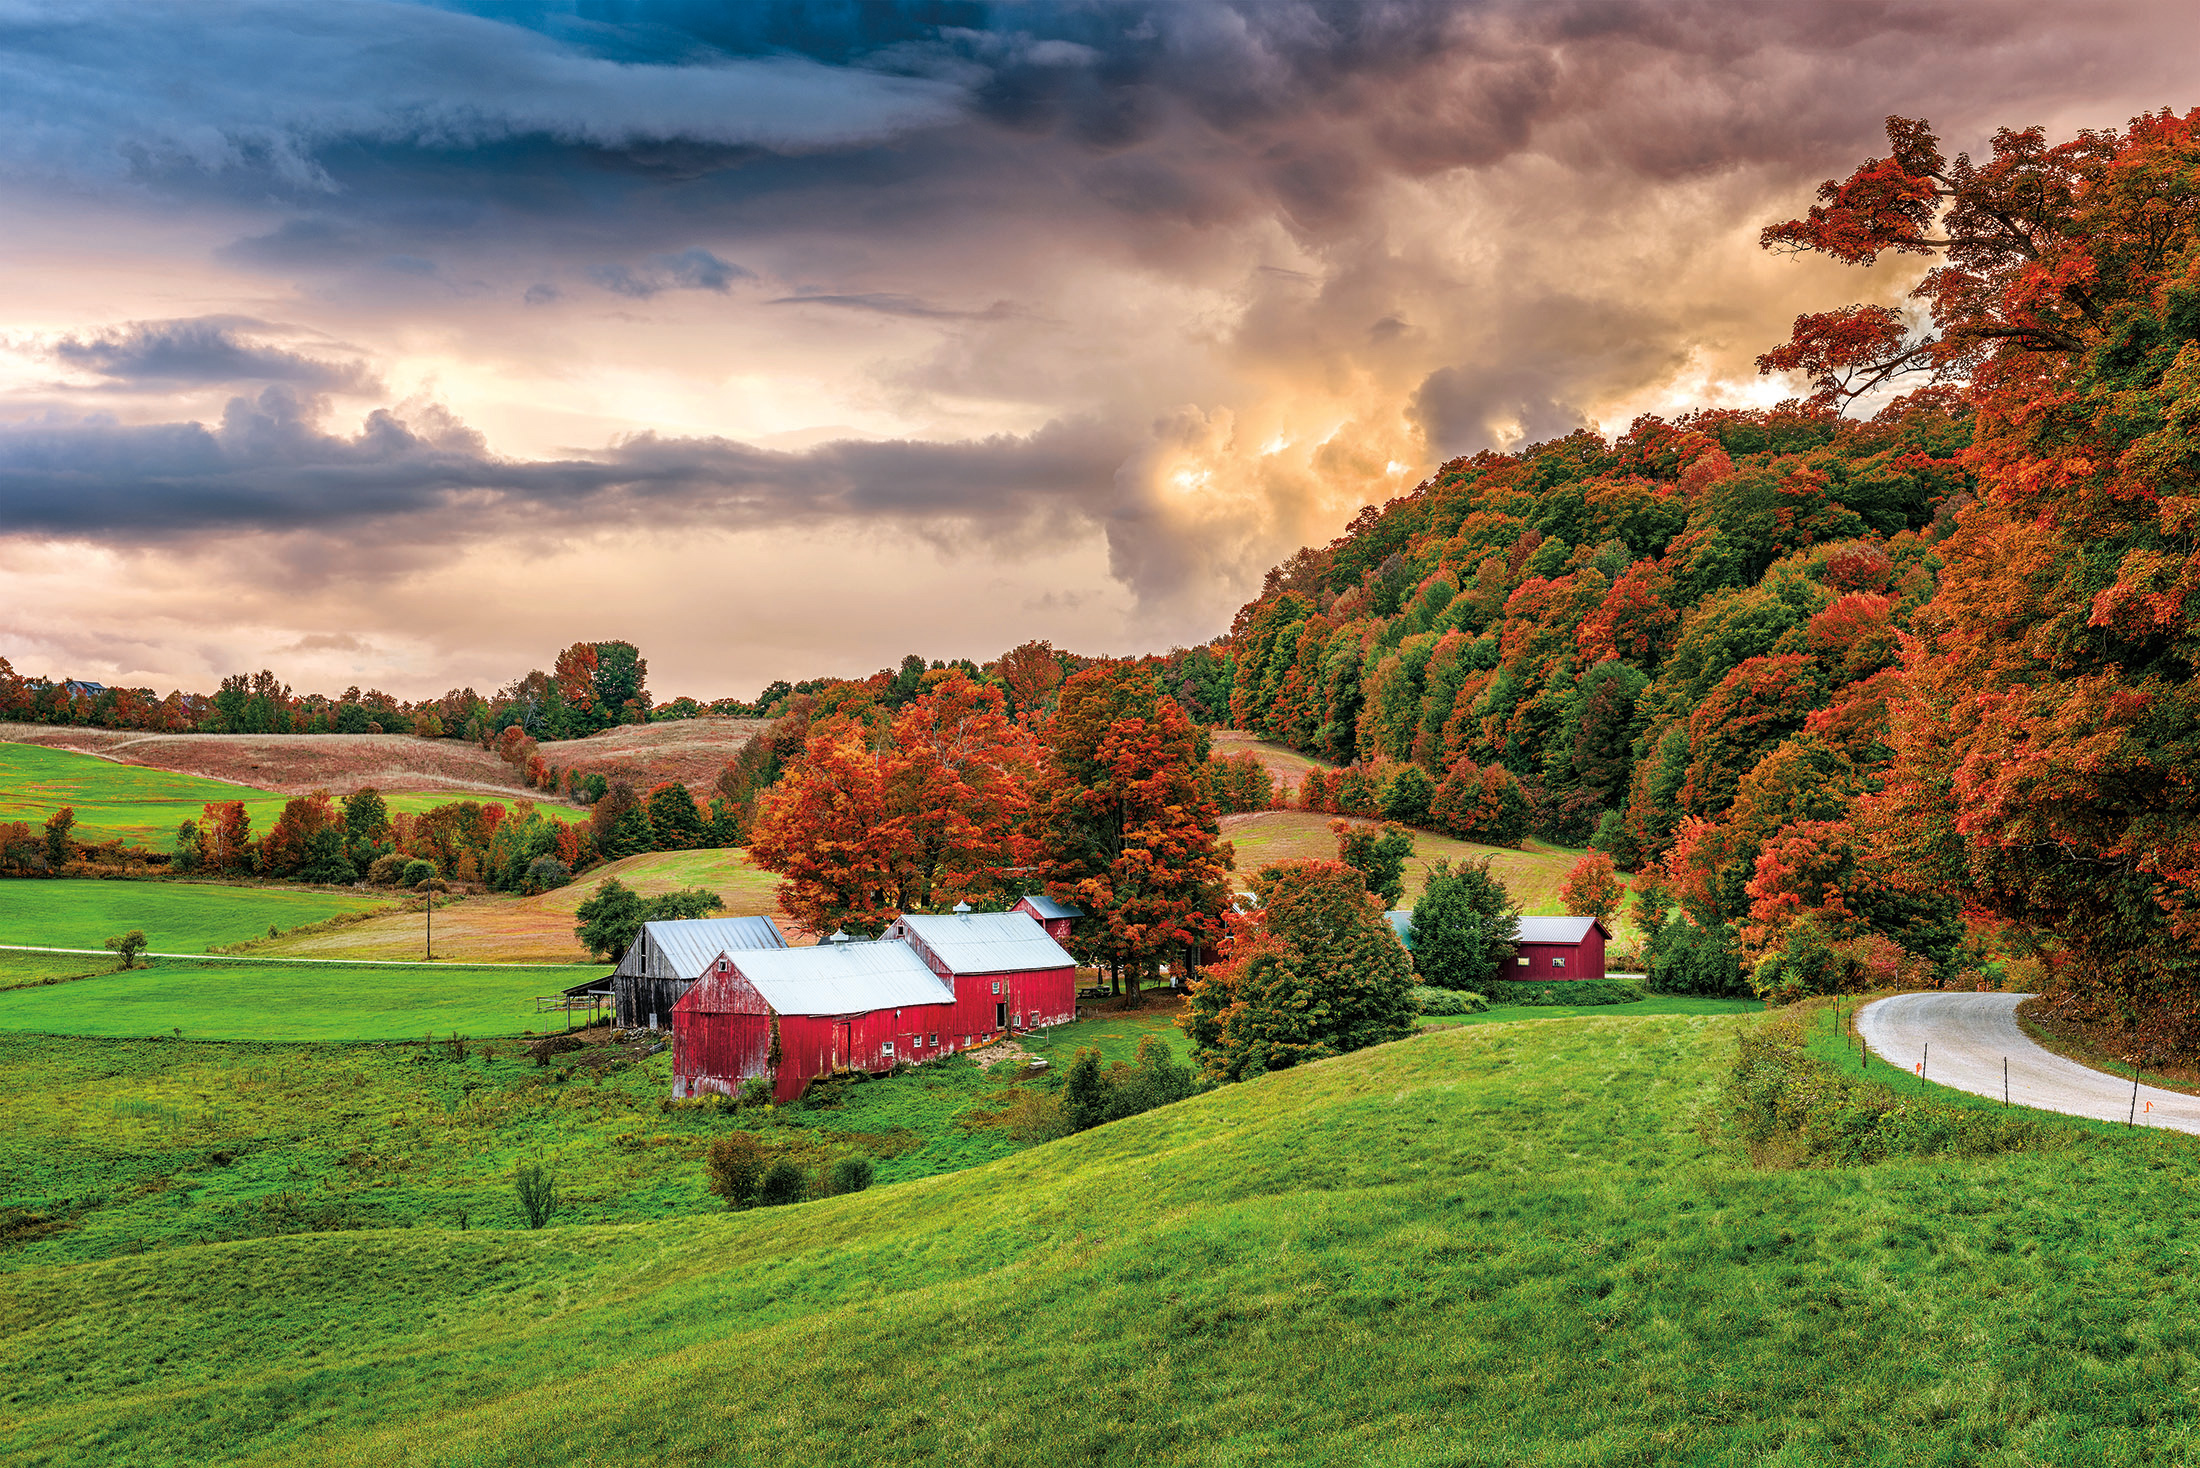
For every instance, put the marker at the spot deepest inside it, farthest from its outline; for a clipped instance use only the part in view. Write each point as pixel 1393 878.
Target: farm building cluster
pixel 742 1004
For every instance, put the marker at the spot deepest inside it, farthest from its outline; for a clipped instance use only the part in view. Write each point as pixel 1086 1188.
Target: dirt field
pixel 500 929
pixel 691 751
pixel 292 764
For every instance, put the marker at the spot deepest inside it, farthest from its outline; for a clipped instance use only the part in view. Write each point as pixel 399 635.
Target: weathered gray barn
pixel 666 958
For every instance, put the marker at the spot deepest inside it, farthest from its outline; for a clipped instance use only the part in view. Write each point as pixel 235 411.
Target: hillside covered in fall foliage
pixel 1865 698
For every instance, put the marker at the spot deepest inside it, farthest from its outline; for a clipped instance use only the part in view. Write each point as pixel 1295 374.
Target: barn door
pixel 843 1044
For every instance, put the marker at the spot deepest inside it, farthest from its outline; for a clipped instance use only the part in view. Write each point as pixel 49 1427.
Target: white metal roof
pixel 842 978
pixel 681 948
pixel 1555 929
pixel 986 942
pixel 1047 907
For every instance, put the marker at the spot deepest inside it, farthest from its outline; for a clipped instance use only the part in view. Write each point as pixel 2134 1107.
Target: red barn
pixel 860 1006
pixel 1054 916
pixel 1007 973
pixel 1559 948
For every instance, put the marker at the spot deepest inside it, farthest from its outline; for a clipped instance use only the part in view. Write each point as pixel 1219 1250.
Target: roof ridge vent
pixel 839 936
pixel 963 908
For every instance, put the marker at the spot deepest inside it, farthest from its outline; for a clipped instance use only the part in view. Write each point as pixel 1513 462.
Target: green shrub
pixel 387 871
pixel 1430 1000
pixel 734 1168
pixel 537 1187
pixel 1788 1108
pixel 782 1184
pixel 849 1175
pixel 546 874
pixel 416 871
pixel 1567 991
pixel 756 1091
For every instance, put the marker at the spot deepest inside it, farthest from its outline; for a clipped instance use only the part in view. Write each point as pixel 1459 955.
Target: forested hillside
pixel 1862 698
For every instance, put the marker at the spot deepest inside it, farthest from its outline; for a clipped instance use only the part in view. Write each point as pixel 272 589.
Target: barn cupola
pixel 839 936
pixel 962 909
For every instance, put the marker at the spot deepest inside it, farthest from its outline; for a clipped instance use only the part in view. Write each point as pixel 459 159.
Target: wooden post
pixel 2005 1081
pixel 2133 1119
pixel 1923 1059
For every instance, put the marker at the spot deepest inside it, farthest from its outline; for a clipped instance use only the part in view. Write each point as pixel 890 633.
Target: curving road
pixel 1972 1034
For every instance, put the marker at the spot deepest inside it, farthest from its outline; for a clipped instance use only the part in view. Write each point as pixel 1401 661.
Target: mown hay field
pixel 1532 874
pixel 175 916
pixel 1503 1243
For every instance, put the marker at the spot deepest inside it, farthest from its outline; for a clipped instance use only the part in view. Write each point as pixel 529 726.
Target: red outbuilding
pixel 1007 974
pixel 837 1006
pixel 1559 948
pixel 1054 916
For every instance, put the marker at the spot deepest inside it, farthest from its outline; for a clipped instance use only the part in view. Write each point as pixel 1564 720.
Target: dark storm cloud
pixel 694 270
pixel 205 350
pixel 270 464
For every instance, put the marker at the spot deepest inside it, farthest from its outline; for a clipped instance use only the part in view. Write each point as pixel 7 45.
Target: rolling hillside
pixel 1499 1244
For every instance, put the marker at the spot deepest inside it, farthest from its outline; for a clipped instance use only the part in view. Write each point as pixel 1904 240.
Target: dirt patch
pixel 1001 1052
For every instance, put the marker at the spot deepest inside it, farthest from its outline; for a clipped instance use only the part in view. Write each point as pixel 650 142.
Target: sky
pixel 400 345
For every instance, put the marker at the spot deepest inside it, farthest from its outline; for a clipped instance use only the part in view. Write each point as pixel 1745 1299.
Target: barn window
pixel 1558 963
pixel 886 1048
pixel 935 1040
pixel 996 986
pixel 1521 961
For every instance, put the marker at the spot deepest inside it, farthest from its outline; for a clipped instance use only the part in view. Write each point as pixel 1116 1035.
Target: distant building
pixel 1543 947
pixel 667 957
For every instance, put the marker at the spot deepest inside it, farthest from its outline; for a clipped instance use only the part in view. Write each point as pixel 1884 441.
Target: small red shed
pixel 859 1006
pixel 1054 916
pixel 1559 948
pixel 1006 972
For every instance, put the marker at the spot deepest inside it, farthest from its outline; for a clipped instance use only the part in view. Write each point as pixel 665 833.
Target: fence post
pixel 2133 1119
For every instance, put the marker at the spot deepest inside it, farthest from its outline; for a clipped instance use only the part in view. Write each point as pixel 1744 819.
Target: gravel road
pixel 1970 1036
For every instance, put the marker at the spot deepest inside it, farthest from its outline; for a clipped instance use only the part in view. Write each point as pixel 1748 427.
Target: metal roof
pixel 985 942
pixel 1047 907
pixel 1556 929
pixel 681 948
pixel 1401 918
pixel 842 978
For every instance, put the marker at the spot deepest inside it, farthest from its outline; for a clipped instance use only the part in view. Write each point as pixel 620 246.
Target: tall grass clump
pixel 1790 1109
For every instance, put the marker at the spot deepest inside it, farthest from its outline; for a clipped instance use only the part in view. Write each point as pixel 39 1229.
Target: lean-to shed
pixel 666 957
pixel 1006 972
pixel 839 1005
pixel 1054 916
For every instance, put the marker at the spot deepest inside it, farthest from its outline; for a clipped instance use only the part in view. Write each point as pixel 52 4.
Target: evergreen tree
pixel 1463 927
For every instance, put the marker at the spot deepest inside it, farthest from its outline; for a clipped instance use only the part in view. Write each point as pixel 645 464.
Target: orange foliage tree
pixel 931 809
pixel 2047 732
pixel 1593 889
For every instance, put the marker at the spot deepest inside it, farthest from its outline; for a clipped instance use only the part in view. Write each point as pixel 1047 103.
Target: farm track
pixel 1971 1036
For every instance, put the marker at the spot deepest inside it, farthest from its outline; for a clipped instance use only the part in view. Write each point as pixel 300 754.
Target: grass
pixel 260 1001
pixel 1503 1243
pixel 144 806
pixel 1532 874
pixel 177 917
pixel 1656 1004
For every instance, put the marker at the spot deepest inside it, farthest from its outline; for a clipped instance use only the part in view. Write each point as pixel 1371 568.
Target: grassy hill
pixel 144 806
pixel 177 917
pixel 1531 874
pixel 1507 1243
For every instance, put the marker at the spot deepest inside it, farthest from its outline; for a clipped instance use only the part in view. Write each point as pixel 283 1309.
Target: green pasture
pixel 1501 1243
pixel 143 807
pixel 1656 1004
pixel 177 917
pixel 276 1001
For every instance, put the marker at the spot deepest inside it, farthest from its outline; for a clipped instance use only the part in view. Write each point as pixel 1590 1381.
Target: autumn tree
pixel 57 834
pixel 1319 972
pixel 2045 735
pixel 930 810
pixel 1593 889
pixel 1129 833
